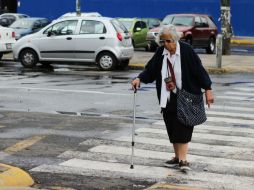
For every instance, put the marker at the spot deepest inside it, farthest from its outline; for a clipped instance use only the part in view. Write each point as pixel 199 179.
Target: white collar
pixel 166 52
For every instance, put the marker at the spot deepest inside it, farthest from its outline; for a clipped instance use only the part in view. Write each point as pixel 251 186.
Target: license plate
pixel 8 46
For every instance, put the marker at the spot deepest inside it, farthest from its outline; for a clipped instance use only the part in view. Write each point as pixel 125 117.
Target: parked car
pixel 138 30
pixel 26 26
pixel 7 19
pixel 102 40
pixel 199 30
pixel 7 39
pixel 152 22
pixel 87 14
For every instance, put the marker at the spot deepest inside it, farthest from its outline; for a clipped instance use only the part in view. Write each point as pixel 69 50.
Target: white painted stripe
pixel 64 90
pixel 194 146
pixel 232 108
pixel 165 156
pixel 250 84
pixel 229 120
pixel 202 135
pixel 235 98
pixel 209 180
pixel 239 93
pixel 232 114
pixel 221 120
pixel 244 89
pixel 138 171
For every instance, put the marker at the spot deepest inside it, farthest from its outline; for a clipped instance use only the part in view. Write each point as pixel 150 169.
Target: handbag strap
pixel 171 71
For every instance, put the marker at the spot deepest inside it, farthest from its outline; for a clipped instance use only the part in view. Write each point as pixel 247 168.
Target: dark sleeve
pixel 202 75
pixel 148 75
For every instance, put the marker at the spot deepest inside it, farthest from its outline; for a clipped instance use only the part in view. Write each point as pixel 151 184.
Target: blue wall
pixel 242 10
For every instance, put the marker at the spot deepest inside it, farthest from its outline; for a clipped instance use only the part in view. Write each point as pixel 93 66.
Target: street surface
pixel 70 126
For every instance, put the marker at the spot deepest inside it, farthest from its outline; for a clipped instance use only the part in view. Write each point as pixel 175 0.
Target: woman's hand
pixel 209 97
pixel 135 83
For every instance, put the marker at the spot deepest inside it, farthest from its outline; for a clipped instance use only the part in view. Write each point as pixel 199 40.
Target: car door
pixel 197 33
pixel 144 30
pixel 206 31
pixel 137 33
pixel 57 41
pixel 91 37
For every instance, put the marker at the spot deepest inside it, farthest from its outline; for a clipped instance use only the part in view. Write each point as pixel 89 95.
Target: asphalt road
pixel 70 126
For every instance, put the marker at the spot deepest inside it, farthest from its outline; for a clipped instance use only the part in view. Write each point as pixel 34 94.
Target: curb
pixel 165 186
pixel 14 177
pixel 242 42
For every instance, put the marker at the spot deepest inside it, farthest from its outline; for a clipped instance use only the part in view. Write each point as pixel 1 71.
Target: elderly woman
pixel 185 72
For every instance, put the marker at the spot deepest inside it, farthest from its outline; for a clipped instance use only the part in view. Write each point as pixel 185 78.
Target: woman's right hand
pixel 135 83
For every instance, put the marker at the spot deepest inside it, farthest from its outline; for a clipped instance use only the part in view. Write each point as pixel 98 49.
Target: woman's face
pixel 168 42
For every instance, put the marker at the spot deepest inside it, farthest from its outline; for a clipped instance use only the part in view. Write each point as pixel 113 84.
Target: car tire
pixel 1 55
pixel 211 46
pixel 28 58
pixel 106 61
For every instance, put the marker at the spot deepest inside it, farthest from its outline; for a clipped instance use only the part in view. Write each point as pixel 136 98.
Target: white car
pixel 87 14
pixel 7 40
pixel 101 40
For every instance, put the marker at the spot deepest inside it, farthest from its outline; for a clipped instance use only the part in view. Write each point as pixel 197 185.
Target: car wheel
pixel 106 61
pixel 1 55
pixel 211 46
pixel 28 58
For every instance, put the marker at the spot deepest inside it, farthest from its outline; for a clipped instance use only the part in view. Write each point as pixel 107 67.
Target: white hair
pixel 168 29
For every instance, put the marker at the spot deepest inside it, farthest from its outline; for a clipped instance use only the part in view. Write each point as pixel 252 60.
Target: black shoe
pixel 173 162
pixel 184 166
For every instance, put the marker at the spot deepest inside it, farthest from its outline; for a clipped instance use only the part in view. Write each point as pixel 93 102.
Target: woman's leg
pixel 182 150
pixel 176 150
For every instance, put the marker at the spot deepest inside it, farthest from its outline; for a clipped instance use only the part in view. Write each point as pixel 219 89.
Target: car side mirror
pixel 49 33
pixel 138 29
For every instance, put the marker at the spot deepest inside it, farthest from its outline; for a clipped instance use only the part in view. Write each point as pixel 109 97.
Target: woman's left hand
pixel 209 97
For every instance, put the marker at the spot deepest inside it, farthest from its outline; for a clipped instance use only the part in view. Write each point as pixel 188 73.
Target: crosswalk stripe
pixel 193 145
pixel 220 181
pixel 203 135
pixel 231 114
pixel 232 108
pixel 98 168
pixel 239 93
pixel 244 89
pixel 165 156
pixel 235 98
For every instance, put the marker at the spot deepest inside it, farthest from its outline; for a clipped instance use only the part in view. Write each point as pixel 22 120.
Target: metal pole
pixel 78 7
pixel 219 51
pixel 226 27
pixel 133 128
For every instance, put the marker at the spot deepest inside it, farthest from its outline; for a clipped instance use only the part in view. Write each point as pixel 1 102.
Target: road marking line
pixel 1 126
pixel 165 156
pixel 164 186
pixel 23 144
pixel 232 114
pixel 230 108
pixel 198 135
pixel 235 98
pixel 240 93
pixel 64 90
pixel 244 89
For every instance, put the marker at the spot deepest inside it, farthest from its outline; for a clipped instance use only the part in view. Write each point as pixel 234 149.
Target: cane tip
pixel 132 167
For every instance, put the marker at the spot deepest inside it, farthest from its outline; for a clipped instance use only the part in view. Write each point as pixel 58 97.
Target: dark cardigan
pixel 194 76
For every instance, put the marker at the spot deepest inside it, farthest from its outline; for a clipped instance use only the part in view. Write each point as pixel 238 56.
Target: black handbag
pixel 190 107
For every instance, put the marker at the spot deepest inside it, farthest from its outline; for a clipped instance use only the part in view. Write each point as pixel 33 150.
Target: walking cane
pixel 133 128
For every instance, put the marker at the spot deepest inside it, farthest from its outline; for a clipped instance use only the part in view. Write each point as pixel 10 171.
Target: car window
pixel 92 27
pixel 182 21
pixel 198 22
pixel 153 22
pixel 137 25
pixel 127 23
pixel 44 22
pixel 119 27
pixel 63 28
pixel 204 22
pixel 211 22
pixel 167 20
pixel 143 24
pixel 22 23
pixel 22 16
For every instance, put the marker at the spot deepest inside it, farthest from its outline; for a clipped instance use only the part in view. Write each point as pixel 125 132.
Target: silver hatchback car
pixel 101 40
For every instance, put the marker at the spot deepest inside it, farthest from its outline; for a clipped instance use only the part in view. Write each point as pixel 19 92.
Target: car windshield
pixel 22 24
pixel 167 20
pixel 127 24
pixel 182 21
